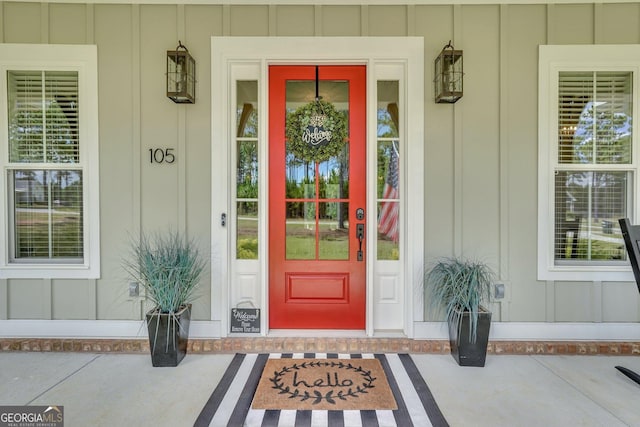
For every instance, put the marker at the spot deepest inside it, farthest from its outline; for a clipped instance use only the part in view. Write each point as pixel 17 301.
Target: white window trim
pixel 84 59
pixel 552 60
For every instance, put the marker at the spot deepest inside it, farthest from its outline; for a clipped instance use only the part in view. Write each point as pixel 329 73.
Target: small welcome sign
pixel 315 135
pixel 245 320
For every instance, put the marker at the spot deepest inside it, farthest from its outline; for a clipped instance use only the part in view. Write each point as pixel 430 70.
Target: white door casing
pixel 394 301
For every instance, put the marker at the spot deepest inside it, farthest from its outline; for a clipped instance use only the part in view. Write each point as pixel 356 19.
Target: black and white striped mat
pixel 230 402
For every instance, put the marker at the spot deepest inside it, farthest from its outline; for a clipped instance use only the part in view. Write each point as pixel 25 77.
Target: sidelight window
pixel 388 171
pixel 247 169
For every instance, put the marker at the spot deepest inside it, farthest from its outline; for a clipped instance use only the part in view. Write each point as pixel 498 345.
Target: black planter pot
pixel 168 336
pixel 463 350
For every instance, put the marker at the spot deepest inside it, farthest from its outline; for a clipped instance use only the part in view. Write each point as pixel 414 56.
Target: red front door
pixel 316 207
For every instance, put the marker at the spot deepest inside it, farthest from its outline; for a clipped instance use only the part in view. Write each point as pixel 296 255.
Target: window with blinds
pixel 594 170
pixel 43 170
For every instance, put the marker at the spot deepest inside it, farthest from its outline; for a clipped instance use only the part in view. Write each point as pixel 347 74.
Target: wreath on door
pixel 316 131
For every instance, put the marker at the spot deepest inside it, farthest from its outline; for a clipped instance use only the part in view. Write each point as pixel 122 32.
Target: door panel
pixel 316 260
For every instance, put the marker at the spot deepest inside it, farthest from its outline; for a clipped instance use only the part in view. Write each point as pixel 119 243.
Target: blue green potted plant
pixel 169 267
pixel 460 287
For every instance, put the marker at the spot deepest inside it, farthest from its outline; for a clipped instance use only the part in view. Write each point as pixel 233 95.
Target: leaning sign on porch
pixel 316 131
pixel 245 320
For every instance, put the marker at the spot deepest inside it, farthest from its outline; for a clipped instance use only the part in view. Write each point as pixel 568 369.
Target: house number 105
pixel 161 155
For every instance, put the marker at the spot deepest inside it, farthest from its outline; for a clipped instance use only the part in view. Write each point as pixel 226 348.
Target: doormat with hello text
pixel 332 384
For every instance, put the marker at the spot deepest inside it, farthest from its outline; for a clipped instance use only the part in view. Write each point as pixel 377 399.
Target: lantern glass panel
pixel 191 77
pixel 181 76
pixel 448 76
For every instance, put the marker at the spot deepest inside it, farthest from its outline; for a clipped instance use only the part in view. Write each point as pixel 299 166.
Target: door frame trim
pixel 375 53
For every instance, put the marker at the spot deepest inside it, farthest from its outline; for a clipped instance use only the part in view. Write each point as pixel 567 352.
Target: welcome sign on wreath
pixel 316 131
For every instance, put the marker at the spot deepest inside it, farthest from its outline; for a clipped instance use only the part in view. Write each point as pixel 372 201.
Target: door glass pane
pixel 334 176
pixel 301 230
pixel 309 183
pixel 247 111
pixel 247 233
pixel 300 180
pixel 334 230
pixel 388 191
pixel 247 172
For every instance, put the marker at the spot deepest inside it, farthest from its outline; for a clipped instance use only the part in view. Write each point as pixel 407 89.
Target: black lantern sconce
pixel 448 75
pixel 181 75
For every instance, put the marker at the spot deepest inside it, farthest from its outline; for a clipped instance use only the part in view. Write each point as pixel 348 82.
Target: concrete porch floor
pixel 99 389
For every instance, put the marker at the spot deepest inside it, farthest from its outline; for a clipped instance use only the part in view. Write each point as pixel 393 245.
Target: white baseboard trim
pixel 541 331
pixel 95 329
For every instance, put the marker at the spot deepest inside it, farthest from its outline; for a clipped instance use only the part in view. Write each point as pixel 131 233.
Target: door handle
pixel 360 237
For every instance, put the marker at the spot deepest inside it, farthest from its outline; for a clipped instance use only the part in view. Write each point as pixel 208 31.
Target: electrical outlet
pixel 134 289
pixel 498 290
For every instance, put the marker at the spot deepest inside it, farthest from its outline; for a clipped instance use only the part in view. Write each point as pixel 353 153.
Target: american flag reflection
pixel 388 219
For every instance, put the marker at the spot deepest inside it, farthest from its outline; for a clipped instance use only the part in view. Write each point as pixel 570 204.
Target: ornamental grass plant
pixel 458 285
pixel 168 266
